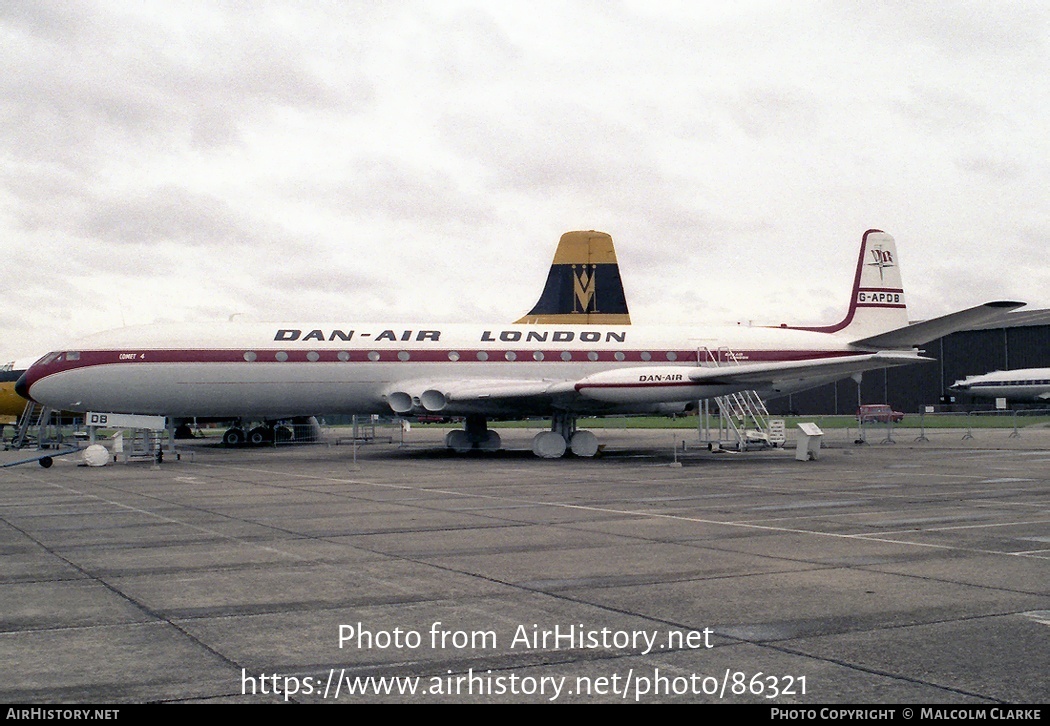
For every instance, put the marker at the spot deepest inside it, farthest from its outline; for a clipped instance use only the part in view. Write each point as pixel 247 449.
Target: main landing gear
pixel 552 444
pixel 563 437
pixel 269 433
pixel 475 434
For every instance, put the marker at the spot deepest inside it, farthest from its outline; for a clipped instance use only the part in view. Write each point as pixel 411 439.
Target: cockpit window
pixel 73 355
pixel 48 358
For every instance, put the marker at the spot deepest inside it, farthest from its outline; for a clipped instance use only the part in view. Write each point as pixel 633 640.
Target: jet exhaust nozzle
pixel 432 400
pixel 400 402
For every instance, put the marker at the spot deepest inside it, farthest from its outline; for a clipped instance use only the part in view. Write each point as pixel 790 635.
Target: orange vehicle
pixel 878 413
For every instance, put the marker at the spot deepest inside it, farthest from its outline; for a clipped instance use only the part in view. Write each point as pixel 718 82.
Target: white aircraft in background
pixel 1023 384
pixel 562 370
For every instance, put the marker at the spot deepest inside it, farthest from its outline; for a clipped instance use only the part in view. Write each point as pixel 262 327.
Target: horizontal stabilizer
pixel 927 330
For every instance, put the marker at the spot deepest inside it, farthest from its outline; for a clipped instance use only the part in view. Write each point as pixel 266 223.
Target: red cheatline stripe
pixel 87 359
pixel 269 355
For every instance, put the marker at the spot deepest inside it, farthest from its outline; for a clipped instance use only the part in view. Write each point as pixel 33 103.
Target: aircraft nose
pixel 959 386
pixel 22 387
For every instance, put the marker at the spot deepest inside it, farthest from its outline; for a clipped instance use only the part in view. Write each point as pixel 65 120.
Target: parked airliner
pixel 560 370
pixel 1023 384
pixel 11 404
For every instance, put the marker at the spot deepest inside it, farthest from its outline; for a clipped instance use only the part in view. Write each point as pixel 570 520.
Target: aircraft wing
pixel 927 330
pixel 774 373
pixel 681 383
pixel 623 387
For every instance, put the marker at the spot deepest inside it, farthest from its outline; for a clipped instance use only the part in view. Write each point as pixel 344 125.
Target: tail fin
pixel 583 285
pixel 878 319
pixel 877 305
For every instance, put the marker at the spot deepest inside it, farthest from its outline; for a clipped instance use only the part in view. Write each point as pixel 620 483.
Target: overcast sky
pixel 388 161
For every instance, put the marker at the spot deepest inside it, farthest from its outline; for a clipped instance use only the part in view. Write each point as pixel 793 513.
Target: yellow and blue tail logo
pixel 583 285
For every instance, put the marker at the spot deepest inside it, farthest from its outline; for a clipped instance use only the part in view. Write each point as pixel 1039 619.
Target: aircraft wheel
pixel 491 442
pixel 459 441
pixel 259 435
pixel 584 443
pixel 548 445
pixel 46 462
pixel 233 437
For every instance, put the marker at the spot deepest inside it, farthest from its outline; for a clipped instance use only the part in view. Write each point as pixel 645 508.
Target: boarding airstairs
pixel 34 415
pixel 743 418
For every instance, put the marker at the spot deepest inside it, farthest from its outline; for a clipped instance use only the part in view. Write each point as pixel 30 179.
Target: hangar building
pixel 1020 340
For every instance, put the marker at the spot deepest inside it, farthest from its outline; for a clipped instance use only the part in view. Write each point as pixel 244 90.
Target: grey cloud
pixel 1035 238
pixel 314 281
pixel 54 21
pixel 774 112
pixel 551 147
pixel 992 168
pixel 391 189
pixel 473 47
pixel 67 205
pixel 968 26
pixel 959 28
pixel 73 88
pixel 165 213
pixel 50 289
pixel 943 106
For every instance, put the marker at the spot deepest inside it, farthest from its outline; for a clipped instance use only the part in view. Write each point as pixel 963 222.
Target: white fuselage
pixel 1028 384
pixel 279 370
